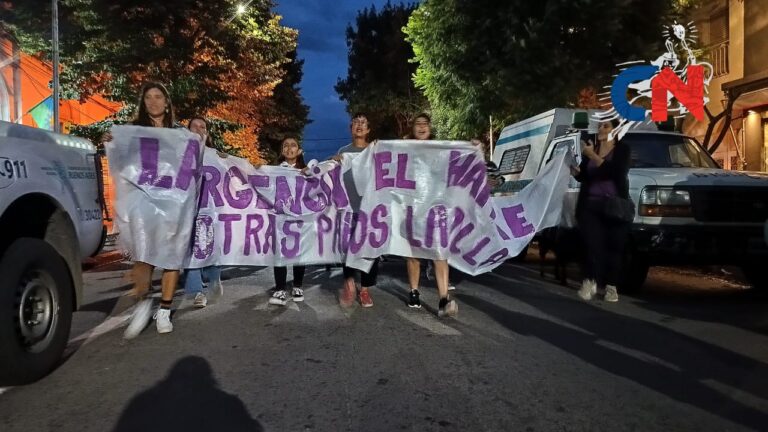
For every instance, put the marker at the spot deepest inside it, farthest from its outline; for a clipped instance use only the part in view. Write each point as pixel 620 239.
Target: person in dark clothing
pixel 603 174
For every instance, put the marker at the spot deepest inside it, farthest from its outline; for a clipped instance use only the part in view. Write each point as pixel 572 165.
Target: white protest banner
pixel 425 199
pixel 433 201
pixel 156 173
pixel 269 216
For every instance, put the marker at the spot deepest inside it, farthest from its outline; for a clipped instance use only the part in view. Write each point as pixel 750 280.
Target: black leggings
pixel 604 240
pixel 366 279
pixel 281 274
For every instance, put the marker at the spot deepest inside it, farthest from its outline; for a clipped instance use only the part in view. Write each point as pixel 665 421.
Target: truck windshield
pixel 667 151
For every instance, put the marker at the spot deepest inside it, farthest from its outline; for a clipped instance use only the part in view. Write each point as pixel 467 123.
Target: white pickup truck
pixel 689 210
pixel 50 219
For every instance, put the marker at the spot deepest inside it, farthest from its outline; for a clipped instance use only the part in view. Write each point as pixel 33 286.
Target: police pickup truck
pixel 689 210
pixel 50 219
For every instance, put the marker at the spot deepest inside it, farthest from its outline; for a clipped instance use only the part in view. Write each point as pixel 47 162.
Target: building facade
pixel 733 35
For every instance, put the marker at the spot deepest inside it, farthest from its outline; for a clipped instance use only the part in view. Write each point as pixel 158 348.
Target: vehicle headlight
pixel 661 201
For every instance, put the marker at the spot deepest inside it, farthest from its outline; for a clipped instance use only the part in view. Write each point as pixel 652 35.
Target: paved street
pixel 524 354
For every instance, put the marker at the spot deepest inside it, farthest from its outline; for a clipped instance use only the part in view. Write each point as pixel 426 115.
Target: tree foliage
pixel 379 78
pixel 286 113
pixel 213 61
pixel 517 58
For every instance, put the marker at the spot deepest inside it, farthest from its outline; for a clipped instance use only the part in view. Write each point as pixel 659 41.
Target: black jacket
pixel 615 169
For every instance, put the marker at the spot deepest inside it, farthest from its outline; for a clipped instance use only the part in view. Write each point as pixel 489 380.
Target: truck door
pixel 570 142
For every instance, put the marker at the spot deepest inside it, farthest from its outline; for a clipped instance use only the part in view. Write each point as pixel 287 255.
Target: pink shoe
pixel 347 294
pixel 365 298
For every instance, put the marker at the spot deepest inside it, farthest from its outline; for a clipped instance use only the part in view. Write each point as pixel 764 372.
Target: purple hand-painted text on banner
pixel 149 149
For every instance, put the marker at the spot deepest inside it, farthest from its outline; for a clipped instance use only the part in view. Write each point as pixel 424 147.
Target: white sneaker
pixel 163 321
pixel 200 301
pixel 139 320
pixel 588 289
pixel 279 298
pixel 610 294
pixel 451 287
pixel 297 294
pixel 450 309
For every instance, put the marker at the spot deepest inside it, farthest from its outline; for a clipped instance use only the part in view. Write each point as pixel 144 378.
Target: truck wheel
pixel 634 271
pixel 756 276
pixel 35 310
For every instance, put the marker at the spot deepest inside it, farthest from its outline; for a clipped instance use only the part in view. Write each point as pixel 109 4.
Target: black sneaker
pixel 413 299
pixel 447 308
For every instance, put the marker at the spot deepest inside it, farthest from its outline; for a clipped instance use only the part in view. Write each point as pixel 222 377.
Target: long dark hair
pixel 300 164
pixel 428 119
pixel 143 118
pixel 615 123
pixel 208 140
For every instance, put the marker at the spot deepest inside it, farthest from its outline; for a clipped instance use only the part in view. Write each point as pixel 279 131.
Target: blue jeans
pixel 194 279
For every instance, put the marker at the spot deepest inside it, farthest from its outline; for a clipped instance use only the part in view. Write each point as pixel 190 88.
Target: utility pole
pixel 490 138
pixel 55 40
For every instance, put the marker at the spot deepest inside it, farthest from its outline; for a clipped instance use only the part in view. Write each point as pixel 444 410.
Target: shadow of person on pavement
pixel 685 362
pixel 188 399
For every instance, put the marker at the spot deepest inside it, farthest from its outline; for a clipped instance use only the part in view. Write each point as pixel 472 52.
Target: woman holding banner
pixel 603 211
pixel 193 283
pixel 155 110
pixel 291 156
pixel 360 130
pixel 422 130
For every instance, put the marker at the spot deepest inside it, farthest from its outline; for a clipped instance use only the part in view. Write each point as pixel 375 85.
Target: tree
pixel 212 60
pixel 285 113
pixel 517 58
pixel 379 78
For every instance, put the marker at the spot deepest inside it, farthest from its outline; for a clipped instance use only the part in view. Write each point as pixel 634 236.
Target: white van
pixel 689 210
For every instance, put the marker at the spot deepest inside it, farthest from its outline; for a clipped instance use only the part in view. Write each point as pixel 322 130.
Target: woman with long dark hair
pixel 603 210
pixel 155 110
pixel 291 156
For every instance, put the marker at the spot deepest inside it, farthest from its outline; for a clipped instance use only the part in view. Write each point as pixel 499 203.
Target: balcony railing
pixel 718 57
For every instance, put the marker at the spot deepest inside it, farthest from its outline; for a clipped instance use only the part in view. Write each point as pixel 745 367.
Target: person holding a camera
pixel 604 211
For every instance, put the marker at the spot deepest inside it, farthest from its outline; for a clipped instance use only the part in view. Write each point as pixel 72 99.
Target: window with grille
pixel 513 160
pixel 718 27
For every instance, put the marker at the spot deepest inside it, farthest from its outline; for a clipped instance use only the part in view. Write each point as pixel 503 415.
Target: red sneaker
pixel 365 298
pixel 347 293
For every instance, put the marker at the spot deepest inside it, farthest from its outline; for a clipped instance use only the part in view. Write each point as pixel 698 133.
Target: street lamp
pixel 241 9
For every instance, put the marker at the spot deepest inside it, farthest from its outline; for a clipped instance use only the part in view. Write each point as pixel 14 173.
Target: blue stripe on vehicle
pixel 529 133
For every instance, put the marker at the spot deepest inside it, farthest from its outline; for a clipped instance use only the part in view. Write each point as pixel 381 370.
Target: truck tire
pixel 756 276
pixel 634 271
pixel 35 310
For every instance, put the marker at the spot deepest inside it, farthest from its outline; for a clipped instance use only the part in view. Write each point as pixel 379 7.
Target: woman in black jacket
pixel 604 193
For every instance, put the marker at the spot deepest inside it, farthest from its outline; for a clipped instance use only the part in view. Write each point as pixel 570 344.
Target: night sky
pixel 321 25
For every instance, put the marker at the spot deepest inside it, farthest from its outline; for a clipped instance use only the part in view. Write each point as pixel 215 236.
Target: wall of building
pixel 755 36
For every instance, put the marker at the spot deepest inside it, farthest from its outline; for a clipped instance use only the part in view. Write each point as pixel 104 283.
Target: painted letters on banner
pixel 426 199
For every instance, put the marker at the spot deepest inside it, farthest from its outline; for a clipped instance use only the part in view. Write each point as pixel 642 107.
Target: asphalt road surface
pixel 524 354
